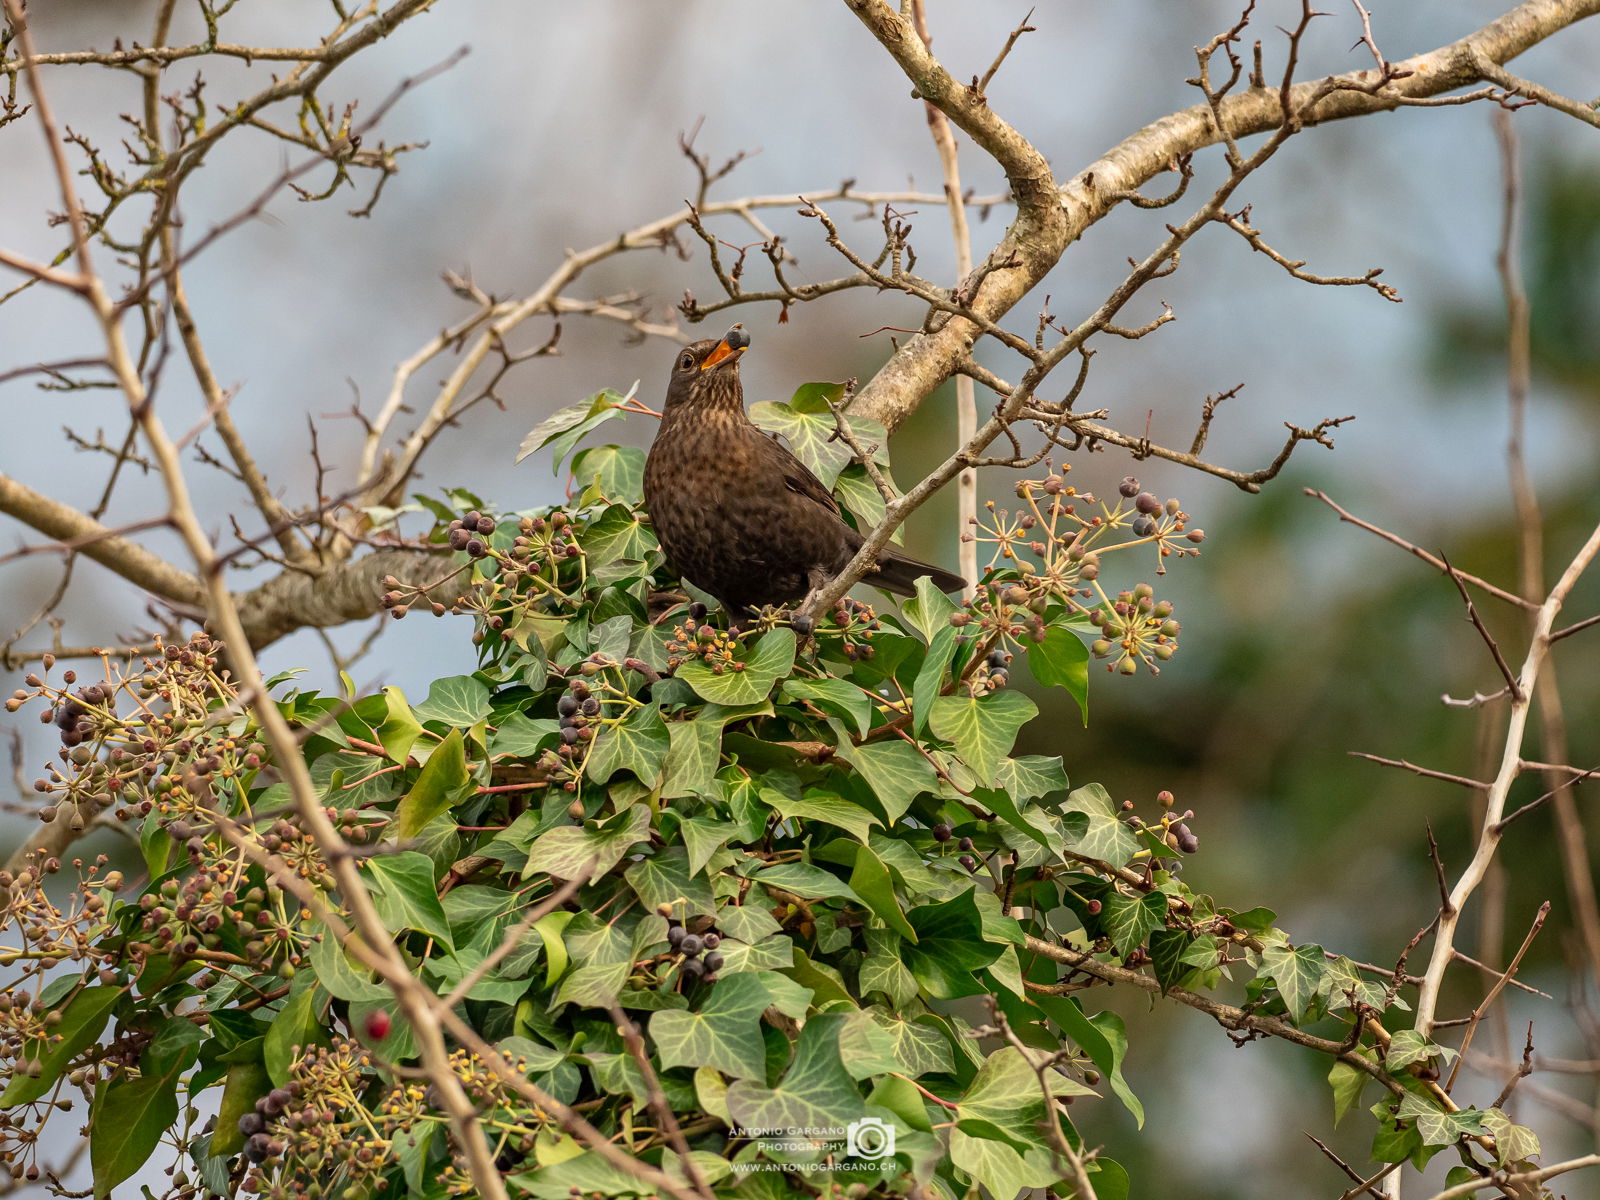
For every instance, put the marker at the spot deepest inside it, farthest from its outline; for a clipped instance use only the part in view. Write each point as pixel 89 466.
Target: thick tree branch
pixel 93 540
pixel 1038 237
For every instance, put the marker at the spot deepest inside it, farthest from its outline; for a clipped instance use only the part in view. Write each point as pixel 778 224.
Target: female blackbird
pixel 740 516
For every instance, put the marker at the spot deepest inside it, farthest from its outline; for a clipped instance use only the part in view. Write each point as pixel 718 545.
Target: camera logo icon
pixel 869 1138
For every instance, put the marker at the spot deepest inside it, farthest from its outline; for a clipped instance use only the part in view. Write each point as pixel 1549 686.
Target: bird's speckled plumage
pixel 738 515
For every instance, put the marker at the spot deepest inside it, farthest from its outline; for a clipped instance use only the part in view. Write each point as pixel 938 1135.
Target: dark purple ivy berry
pixel 712 940
pixel 713 962
pixel 1147 503
pixel 942 832
pixel 964 844
pixel 675 935
pixel 691 944
pixel 1129 486
pixel 1143 527
pixel 567 705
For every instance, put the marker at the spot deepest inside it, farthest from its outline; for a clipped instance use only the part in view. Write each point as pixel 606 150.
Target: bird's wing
pixel 797 477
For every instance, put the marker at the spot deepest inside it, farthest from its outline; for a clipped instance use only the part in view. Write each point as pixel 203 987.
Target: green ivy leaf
pixel 1347 1082
pixel 442 782
pixel 82 1019
pixel 1062 660
pixel 930 676
pixel 949 947
pixel 1298 974
pixel 297 1024
pixel 1104 837
pixel 839 697
pixel 608 472
pixel 664 878
pixel 1006 1100
pixel 807 424
pixel 1167 950
pixel 983 730
pixel 1128 920
pixel 871 881
pixel 816 1092
pixel 130 1115
pixel 405 895
pixel 400 728
pixel 616 536
pixel 692 758
pixel 772 659
pixel 725 1034
pixel 895 772
pixel 566 427
pixel 459 701
pixel 638 743
pixel 1103 1038
pixel 831 810
pixel 577 851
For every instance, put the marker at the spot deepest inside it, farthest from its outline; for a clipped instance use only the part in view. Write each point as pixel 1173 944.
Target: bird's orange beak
pixel 733 344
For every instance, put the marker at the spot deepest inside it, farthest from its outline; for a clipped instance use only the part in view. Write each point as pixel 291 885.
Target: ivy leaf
pixel 1513 1143
pixel 816 1092
pixel 1006 1100
pixel 593 985
pixel 82 1019
pixel 521 736
pixel 1298 974
pixel 405 895
pixel 1167 950
pixel 459 701
pixel 1031 776
pixel 805 880
pixel 930 676
pixel 832 810
pixel 1128 920
pixel 638 743
pixel 615 473
pixel 1408 1046
pixel 692 757
pixel 576 851
pixel 871 881
pixel 929 610
pixel 130 1115
pixel 949 947
pixel 340 977
pixel 1347 1082
pixel 772 659
pixel 920 1049
pixel 839 697
pixel 442 782
pixel 618 535
pixel 1104 1039
pixel 982 730
pixel 664 878
pixel 895 772
pixel 400 728
pixel 725 1034
pixel 884 970
pixel 1062 660
pixel 808 425
pixel 1104 836
pixel 566 427
pixel 297 1024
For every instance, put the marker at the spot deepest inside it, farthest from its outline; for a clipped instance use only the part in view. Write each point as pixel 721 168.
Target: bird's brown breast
pixel 726 516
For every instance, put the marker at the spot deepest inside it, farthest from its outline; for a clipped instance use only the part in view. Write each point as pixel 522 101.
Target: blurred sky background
pixel 1303 638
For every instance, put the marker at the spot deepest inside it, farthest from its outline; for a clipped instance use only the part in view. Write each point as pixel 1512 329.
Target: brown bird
pixel 738 515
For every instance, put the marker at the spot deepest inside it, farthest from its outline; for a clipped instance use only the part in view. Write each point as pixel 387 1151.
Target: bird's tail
pixel 898 573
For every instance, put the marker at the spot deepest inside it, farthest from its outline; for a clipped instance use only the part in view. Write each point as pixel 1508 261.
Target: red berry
pixel 378 1025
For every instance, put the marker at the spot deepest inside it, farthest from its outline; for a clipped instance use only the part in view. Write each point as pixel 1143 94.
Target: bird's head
pixel 705 376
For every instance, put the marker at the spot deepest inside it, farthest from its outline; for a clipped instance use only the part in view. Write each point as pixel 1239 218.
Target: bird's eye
pixel 686 361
